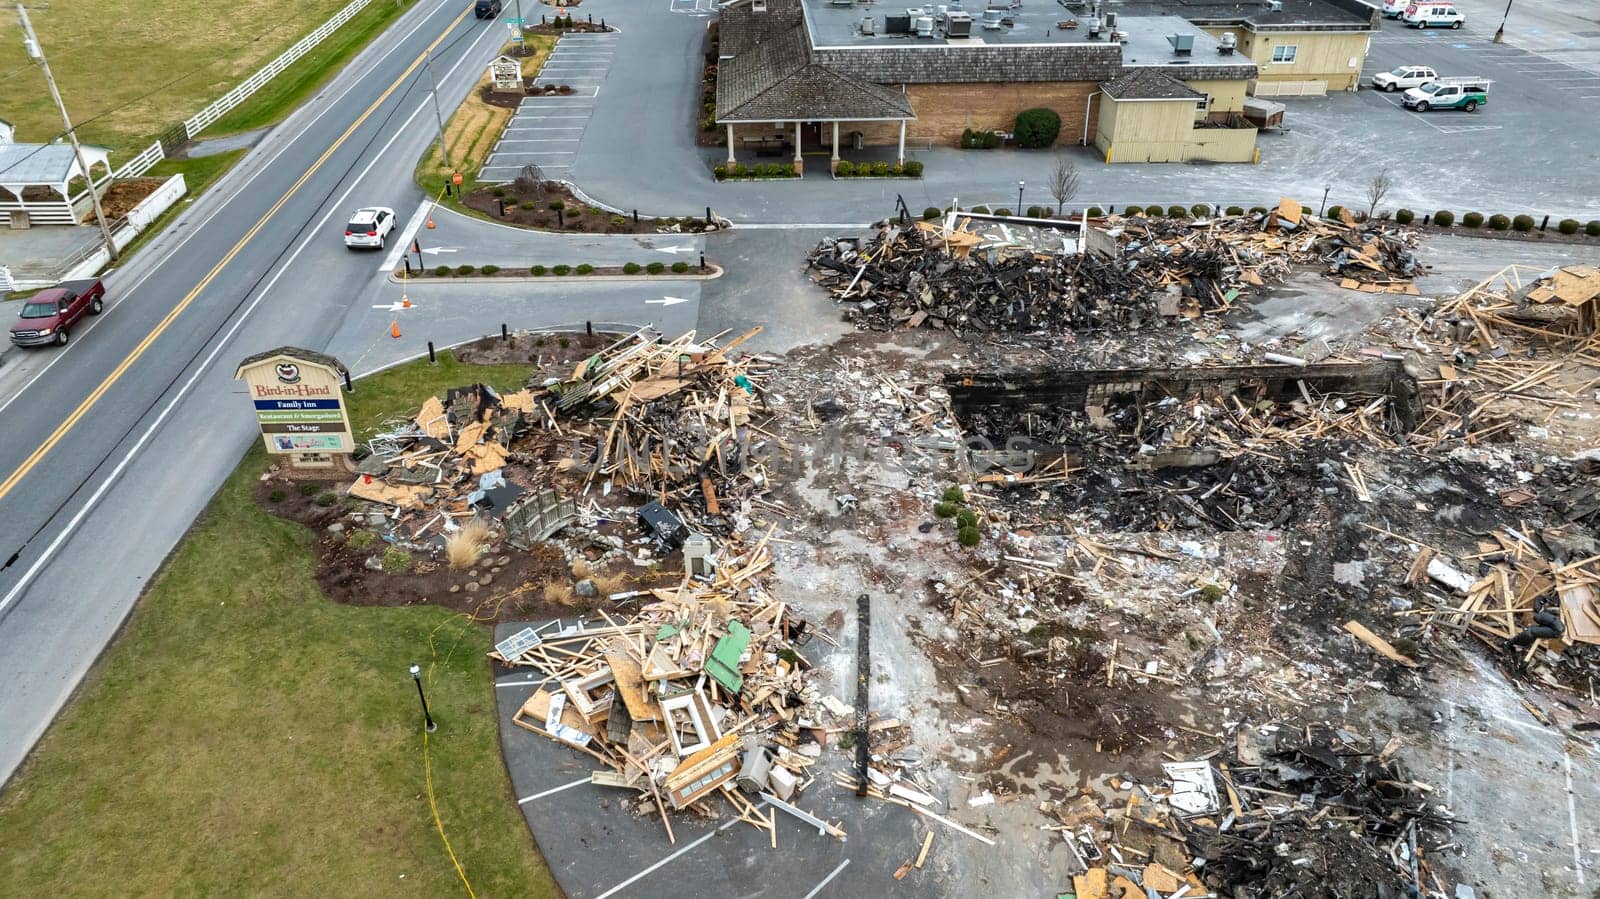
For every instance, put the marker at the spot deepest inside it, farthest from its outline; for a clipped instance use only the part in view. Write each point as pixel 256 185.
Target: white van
pixel 1394 8
pixel 1433 15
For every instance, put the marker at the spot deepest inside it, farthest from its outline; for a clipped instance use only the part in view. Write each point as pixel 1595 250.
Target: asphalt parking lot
pixel 548 130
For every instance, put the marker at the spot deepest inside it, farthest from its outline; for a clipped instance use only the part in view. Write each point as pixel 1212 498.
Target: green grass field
pixel 246 736
pixel 130 69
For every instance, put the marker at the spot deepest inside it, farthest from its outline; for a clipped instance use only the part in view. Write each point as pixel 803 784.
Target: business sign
pixel 298 399
pixel 507 74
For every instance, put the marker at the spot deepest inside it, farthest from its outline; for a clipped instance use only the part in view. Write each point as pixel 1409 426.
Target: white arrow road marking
pixel 395 307
pixel 431 250
pixel 668 301
pixel 673 249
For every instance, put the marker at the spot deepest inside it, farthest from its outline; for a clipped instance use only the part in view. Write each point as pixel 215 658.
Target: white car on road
pixel 369 227
pixel 1404 78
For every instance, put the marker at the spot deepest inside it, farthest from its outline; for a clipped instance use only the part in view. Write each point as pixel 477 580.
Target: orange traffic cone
pixel 405 302
pixel 394 330
pixel 430 224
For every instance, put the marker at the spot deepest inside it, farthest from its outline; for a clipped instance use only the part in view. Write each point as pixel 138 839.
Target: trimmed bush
pixel 1177 212
pixel 630 268
pixel 1037 212
pixel 584 269
pixel 914 169
pixel 1200 210
pixel 553 205
pixel 1235 210
pixel 538 271
pixel 1258 210
pixel 491 269
pixel 945 510
pixel 441 270
pixel 656 268
pixel 1568 226
pixel 1002 211
pixel 786 170
pixel 880 169
pixel 1155 212
pixel 1306 211
pixel 1522 223
pixel 464 270
pixel 619 221
pixel 499 192
pixel 933 212
pixel 953 495
pixel 1593 228
pixel 1036 128
pixel 1333 212
pixel 979 210
pixel 679 267
pixel 846 169
pixel 1472 220
pixel 897 170
pixel 277 496
pixel 1444 218
pixel 1498 222
pixel 1095 212
pixel 968 537
pixel 307 489
pixel 561 269
pixel 1404 216
pixel 966 518
pixel 721 171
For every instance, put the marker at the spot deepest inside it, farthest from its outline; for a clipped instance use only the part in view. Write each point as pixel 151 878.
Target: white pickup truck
pixel 1403 78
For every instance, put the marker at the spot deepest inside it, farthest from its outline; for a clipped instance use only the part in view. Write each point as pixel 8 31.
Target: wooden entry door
pixel 811 136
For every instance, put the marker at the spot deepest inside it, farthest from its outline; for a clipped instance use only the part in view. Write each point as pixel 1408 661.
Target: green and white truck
pixel 1448 93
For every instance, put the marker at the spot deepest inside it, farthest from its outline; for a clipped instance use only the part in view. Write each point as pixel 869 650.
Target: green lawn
pixel 283 94
pixel 246 736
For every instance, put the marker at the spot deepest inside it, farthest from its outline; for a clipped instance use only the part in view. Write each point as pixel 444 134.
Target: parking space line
pixel 647 871
pixel 404 243
pixel 826 880
pixel 579 782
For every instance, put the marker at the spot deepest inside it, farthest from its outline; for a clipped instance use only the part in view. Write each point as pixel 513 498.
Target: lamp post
pixel 1324 205
pixel 416 675
pixel 1500 33
pixel 433 89
pixel 1020 186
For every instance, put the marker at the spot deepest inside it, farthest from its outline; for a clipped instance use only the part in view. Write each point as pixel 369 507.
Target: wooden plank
pixel 1380 645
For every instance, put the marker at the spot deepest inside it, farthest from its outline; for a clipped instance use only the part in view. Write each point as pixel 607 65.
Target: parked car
pixel 49 315
pixel 1403 78
pixel 486 9
pixel 369 227
pixel 1394 9
pixel 1448 93
pixel 1433 15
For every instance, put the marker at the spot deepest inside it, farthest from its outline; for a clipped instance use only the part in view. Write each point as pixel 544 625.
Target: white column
pixel 902 149
pixel 836 142
pixel 730 144
pixel 799 164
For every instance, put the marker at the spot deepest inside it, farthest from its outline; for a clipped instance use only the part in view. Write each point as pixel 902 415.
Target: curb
pixel 716 272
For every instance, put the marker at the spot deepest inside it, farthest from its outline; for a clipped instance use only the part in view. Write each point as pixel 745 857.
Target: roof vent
pixel 1094 27
pixel 1226 43
pixel 1275 5
pixel 925 26
pixel 868 26
pixel 1111 20
pixel 758 5
pixel 1182 44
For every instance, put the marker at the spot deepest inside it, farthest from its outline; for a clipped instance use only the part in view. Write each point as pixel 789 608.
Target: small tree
pixel 1063 181
pixel 530 181
pixel 1377 189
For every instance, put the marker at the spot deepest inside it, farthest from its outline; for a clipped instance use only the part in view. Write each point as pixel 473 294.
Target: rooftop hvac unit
pixel 1275 5
pixel 958 24
pixel 897 24
pixel 1111 20
pixel 925 26
pixel 1094 27
pixel 994 19
pixel 868 26
pixel 915 12
pixel 941 11
pixel 1226 43
pixel 1182 44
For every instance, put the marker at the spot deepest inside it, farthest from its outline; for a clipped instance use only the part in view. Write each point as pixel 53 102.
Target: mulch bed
pixel 575 216
pixel 1550 236
pixel 122 196
pixel 564 349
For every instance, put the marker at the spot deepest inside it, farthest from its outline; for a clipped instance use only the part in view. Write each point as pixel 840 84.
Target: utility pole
pixel 1500 33
pixel 36 50
pixel 433 88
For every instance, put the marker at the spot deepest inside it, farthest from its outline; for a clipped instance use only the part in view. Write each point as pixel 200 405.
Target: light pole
pixel 1500 33
pixel 433 88
pixel 1324 205
pixel 1020 186
pixel 36 50
pixel 416 675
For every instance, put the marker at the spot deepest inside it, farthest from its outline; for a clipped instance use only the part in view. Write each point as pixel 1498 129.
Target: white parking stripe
pixel 646 872
pixel 577 783
pixel 826 880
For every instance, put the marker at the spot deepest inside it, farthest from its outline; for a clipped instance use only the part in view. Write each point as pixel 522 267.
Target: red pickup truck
pixel 49 315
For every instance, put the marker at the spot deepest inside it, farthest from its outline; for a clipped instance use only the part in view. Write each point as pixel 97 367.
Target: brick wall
pixel 945 110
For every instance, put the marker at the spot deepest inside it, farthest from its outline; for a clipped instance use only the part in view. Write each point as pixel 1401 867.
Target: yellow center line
pixel 138 351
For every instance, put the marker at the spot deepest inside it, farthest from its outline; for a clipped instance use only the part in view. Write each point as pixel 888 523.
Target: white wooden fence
pixel 192 127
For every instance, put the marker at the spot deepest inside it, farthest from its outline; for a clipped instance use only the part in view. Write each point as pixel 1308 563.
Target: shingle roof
pixel 945 64
pixel 766 73
pixel 1149 84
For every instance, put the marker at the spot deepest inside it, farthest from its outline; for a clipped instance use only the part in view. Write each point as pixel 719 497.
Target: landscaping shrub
pixel 846 169
pixel 585 269
pixel 562 269
pixel 966 519
pixel 1444 218
pixel 954 495
pixel 656 268
pixel 1002 211
pixel 1200 210
pixel 1306 211
pixel 277 496
pixel 1235 210
pixel 441 270
pixel 1154 212
pixel 361 539
pixel 1177 212
pixel 968 537
pixel 979 140
pixel 680 267
pixel 1567 226
pixel 464 546
pixel 1036 128
pixel 721 171
pixel 897 170
pixel 529 204
pixel 1333 212
pixel 1499 222
pixel 1037 212
pixel 326 499
pixel 308 489
pixel 880 169
pixel 979 210
pixel 538 270
pixel 563 342
pixel 1404 216
pixel 556 204
pixel 464 269
pixel 1523 223
pixel 1593 228
pixel 1258 210
pixel 630 268
pixel 914 169
pixel 396 560
pixel 945 510
pixel 619 221
pixel 933 212
pixel 499 192
pixel 1095 212
pixel 491 269
pixel 1472 220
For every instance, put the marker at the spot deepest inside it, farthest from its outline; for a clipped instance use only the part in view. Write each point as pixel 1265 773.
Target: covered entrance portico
pixel 795 137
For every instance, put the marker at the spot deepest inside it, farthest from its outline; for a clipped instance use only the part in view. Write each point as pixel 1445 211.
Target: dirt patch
pixel 554 207
pixel 123 195
pixel 540 349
